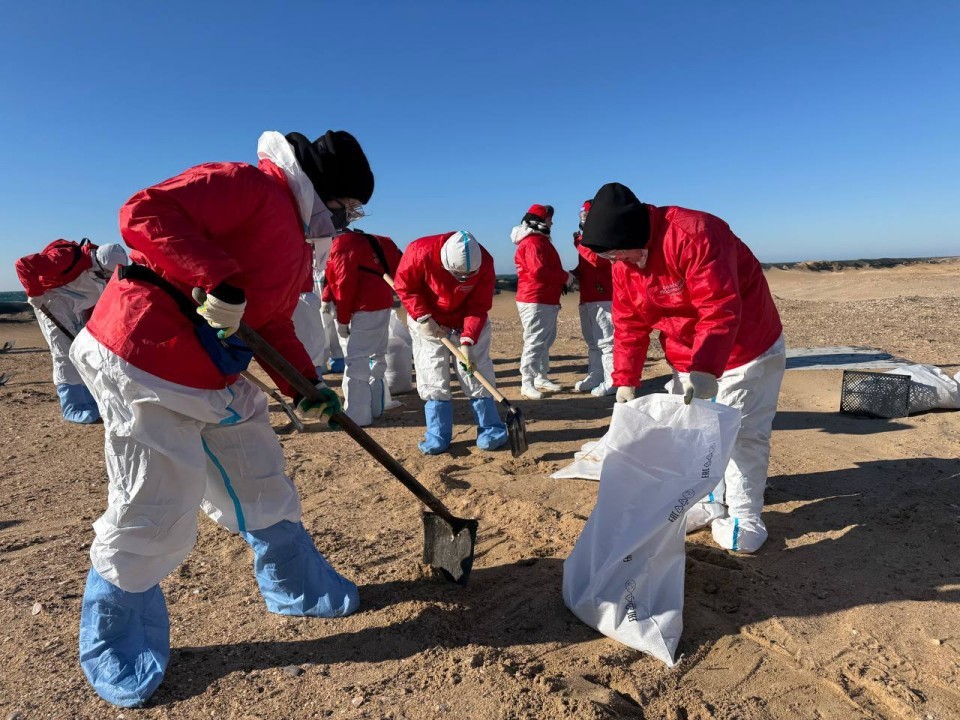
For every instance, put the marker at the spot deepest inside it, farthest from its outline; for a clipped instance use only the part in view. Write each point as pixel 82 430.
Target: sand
pixel 849 611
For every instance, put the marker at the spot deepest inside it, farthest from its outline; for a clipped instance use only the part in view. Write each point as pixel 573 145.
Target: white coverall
pixel 596 324
pixel 180 449
pixel 364 351
pixel 753 389
pixel 432 361
pixel 308 324
pixel 539 323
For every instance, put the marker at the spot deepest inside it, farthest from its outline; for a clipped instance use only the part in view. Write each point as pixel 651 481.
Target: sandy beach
pixel 849 611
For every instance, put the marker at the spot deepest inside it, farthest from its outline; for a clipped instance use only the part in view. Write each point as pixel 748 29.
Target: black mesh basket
pixel 873 394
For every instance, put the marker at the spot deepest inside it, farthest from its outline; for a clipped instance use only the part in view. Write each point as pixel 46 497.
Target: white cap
pixel 460 253
pixel 111 255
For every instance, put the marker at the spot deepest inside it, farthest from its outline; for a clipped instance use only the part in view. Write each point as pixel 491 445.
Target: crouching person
pixel 66 279
pixel 446 284
pixel 183 429
pixel 684 273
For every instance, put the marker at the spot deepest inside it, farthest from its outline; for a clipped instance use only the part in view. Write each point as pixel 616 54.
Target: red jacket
pixel 702 289
pixel 59 263
pixel 426 287
pixel 540 274
pixel 354 275
pixel 594 273
pixel 213 223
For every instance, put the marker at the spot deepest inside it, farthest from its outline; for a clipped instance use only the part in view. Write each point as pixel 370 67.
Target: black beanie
pixel 335 164
pixel 617 220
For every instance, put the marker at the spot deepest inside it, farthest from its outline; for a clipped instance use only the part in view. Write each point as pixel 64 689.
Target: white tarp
pixel 931 388
pixel 846 357
pixel 625 574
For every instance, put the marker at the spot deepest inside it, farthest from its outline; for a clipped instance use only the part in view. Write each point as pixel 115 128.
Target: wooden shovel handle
pixel 480 378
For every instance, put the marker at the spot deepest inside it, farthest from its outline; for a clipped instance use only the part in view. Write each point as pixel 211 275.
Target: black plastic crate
pixel 873 394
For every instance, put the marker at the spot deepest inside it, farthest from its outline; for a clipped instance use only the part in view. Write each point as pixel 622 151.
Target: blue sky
pixel 816 129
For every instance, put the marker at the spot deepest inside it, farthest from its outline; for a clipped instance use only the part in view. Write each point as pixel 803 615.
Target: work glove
pixel 327 406
pixel 223 309
pixel 466 349
pixel 430 327
pixel 699 385
pixel 328 308
pixel 572 282
pixel 626 394
pixel 343 330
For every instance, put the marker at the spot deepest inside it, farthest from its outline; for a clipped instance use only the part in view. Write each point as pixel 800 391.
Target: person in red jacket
pixel 362 297
pixel 446 284
pixel 66 279
pixel 541 280
pixel 594 276
pixel 183 429
pixel 686 274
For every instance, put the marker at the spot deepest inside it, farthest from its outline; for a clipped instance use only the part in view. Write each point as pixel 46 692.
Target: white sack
pixel 625 574
pixel 930 388
pixel 399 375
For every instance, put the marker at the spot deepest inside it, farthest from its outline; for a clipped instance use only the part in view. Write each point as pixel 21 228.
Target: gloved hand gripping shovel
pixel 448 541
pixel 516 427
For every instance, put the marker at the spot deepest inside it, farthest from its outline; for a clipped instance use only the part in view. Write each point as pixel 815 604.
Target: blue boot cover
pixel 77 404
pixel 293 576
pixel 491 432
pixel 337 365
pixel 124 641
pixel 439 427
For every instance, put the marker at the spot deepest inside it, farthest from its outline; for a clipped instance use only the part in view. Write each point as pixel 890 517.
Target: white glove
pixel 626 394
pixel 699 385
pixel 466 349
pixel 343 330
pixel 225 316
pixel 430 327
pixel 328 308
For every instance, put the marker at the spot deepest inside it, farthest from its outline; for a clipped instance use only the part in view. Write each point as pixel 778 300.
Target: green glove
pixel 327 405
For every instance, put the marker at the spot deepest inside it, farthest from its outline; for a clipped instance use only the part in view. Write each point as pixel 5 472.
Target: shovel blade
pixel 5 378
pixel 517 432
pixel 449 548
pixel 7 346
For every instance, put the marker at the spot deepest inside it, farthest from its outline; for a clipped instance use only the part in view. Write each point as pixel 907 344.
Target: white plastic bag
pixel 625 574
pixel 930 388
pixel 586 462
pixel 399 375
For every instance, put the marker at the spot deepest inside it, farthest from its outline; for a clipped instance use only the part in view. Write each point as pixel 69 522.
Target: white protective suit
pixel 596 324
pixel 365 391
pixel 399 375
pixel 733 508
pixel 539 323
pixel 310 331
pixel 177 448
pixel 321 252
pixel 432 361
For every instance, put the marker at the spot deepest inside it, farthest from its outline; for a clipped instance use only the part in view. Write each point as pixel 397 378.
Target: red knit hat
pixel 585 208
pixel 541 211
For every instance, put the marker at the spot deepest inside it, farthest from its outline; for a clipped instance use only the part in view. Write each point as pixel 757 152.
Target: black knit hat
pixel 335 164
pixel 617 220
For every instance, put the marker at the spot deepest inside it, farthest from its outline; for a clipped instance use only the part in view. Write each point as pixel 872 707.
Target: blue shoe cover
pixel 439 433
pixel 293 576
pixel 124 641
pixel 491 431
pixel 337 365
pixel 77 404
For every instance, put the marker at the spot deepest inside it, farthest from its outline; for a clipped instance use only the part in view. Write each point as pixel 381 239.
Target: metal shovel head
pixel 449 548
pixel 517 432
pixel 7 346
pixel 5 378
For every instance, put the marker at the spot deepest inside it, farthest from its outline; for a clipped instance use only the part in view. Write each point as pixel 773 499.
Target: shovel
pixel 448 541
pixel 5 378
pixel 516 427
pixel 46 311
pixel 275 394
pixel 7 346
